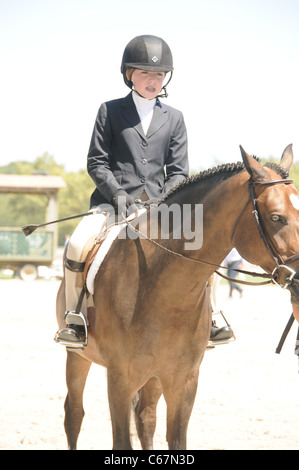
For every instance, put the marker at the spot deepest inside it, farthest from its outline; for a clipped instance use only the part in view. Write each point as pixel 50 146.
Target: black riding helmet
pixel 147 52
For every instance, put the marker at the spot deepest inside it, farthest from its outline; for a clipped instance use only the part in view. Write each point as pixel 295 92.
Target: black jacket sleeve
pixel 100 154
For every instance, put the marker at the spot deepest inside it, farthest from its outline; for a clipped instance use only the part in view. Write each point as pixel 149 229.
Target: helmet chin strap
pixel 165 94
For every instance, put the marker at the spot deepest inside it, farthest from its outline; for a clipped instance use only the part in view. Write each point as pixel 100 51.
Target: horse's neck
pixel 222 203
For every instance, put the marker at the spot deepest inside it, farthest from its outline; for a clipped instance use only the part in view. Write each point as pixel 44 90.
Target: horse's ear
pixel 286 160
pixel 254 168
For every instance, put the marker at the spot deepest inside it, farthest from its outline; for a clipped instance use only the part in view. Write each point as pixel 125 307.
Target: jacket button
pixel 144 161
pixel 142 180
pixel 144 143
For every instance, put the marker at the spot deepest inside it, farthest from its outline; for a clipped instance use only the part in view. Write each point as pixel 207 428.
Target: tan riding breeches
pixel 89 226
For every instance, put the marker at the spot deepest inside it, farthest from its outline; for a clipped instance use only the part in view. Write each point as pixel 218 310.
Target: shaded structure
pixel 17 253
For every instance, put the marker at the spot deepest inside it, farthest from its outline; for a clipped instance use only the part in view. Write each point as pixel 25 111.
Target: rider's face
pixel 148 84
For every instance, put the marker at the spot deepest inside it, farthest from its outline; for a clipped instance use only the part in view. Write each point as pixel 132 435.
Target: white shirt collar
pixel 143 104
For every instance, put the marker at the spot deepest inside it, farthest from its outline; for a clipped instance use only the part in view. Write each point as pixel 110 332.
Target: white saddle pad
pixel 111 233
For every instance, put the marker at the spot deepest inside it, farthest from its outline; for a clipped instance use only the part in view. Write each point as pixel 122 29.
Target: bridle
pixel 280 264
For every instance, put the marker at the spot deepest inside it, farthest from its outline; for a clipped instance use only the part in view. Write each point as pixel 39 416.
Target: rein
pixel 280 264
pixel 207 263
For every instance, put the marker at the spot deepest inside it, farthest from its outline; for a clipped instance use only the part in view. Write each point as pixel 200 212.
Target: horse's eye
pixel 277 218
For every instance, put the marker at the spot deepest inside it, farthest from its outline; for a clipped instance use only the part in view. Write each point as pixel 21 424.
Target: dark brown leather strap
pixel 74 266
pixel 80 300
pixel 246 283
pixel 285 334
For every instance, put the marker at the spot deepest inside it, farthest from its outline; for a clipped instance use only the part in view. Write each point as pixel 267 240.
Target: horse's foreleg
pixel 77 369
pixel 179 400
pixel 120 402
pixel 145 412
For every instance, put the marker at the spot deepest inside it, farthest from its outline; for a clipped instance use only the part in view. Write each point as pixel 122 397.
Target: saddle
pixel 91 254
pixel 95 251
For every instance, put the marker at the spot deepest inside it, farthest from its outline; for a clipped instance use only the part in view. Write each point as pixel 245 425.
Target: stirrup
pixel 212 344
pixel 71 346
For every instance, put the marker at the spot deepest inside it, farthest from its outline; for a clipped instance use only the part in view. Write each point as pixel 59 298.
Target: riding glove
pixel 123 203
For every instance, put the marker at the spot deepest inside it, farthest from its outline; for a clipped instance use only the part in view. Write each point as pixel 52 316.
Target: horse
pixel 151 319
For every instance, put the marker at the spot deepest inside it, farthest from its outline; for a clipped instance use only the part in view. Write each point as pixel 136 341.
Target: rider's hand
pixel 123 203
pixel 153 200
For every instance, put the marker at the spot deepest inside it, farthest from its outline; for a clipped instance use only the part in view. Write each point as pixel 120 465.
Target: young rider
pixel 138 150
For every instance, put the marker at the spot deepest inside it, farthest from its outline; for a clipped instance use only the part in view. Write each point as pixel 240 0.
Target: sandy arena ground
pixel 247 396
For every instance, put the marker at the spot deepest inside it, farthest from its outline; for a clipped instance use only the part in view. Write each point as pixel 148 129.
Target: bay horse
pixel 151 320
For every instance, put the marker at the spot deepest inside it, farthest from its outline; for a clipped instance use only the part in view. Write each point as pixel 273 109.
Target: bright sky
pixel 236 76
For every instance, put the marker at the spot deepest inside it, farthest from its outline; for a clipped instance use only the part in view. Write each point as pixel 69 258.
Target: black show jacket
pixel 121 156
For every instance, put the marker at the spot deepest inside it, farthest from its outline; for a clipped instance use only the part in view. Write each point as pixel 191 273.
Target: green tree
pixel 73 199
pixel 17 210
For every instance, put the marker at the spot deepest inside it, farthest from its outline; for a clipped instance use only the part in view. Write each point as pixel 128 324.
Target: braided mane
pixel 221 173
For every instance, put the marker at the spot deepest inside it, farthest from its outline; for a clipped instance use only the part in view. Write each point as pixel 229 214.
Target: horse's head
pixel 268 235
